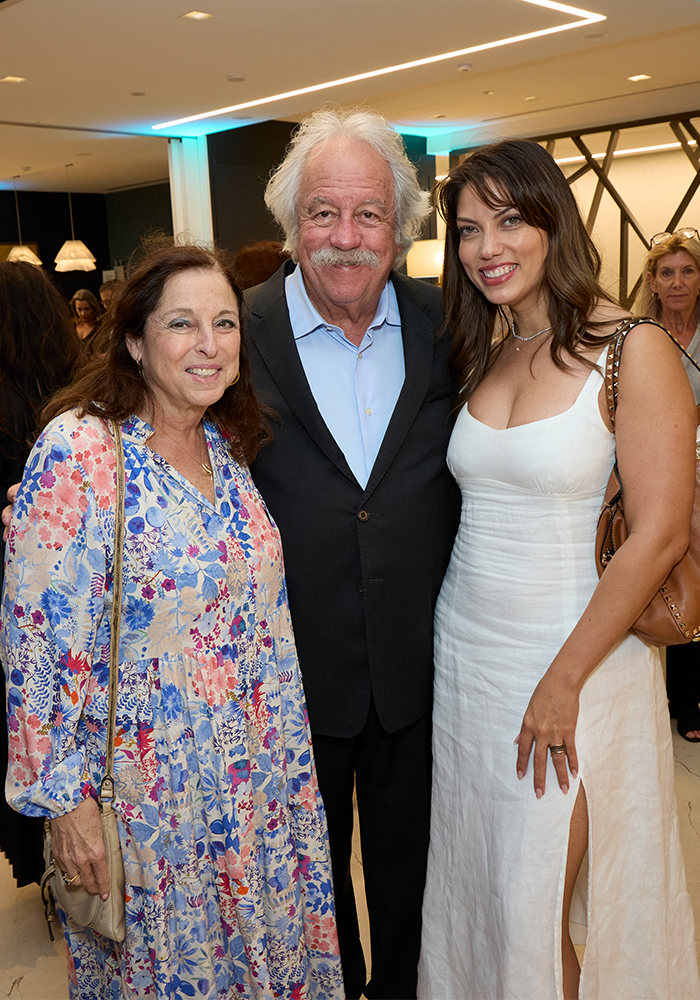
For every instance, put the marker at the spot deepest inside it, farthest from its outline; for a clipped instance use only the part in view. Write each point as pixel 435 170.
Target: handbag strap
pixel 107 785
pixel 612 366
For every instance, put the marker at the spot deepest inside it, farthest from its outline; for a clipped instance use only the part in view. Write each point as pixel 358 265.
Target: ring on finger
pixel 557 748
pixel 70 881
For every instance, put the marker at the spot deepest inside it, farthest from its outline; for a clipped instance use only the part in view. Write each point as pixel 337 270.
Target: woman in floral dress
pixel 223 835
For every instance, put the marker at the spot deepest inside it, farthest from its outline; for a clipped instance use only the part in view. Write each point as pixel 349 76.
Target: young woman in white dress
pixel 551 733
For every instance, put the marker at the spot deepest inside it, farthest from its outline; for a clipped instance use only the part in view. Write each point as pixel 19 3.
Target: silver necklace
pixel 526 340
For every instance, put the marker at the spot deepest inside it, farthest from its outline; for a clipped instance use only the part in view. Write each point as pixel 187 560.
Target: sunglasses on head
pixel 690 234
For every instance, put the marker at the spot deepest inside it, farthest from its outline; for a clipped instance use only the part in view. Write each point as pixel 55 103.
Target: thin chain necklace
pixel 526 340
pixel 206 467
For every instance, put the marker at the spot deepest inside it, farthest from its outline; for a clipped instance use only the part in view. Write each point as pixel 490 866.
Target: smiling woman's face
pixel 501 254
pixel 191 343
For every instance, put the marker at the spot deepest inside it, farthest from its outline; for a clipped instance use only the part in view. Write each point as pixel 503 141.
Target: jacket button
pixel 360 587
pixel 363 515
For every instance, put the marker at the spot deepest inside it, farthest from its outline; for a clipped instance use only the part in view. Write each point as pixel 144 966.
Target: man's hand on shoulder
pixel 7 511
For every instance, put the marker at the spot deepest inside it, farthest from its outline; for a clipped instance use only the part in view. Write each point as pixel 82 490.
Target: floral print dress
pixel 228 882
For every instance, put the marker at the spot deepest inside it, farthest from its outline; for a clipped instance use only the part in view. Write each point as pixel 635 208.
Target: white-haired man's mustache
pixel 331 257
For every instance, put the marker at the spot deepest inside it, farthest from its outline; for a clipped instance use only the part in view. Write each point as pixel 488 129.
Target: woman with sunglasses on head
pixel 531 648
pixel 670 294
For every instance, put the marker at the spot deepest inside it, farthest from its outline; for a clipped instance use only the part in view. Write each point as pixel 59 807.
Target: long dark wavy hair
pixel 38 347
pixel 109 384
pixel 519 174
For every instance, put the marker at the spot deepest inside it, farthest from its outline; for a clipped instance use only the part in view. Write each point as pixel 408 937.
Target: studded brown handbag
pixel 673 615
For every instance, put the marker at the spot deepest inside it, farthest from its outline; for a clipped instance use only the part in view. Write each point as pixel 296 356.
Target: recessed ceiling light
pixel 587 17
pixel 489 92
pixel 636 79
pixel 13 79
pixel 596 34
pixel 197 15
pixel 439 116
pixel 138 93
pixel 235 79
pixel 532 98
pixel 465 67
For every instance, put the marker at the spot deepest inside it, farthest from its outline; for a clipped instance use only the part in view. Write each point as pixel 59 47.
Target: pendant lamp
pixel 73 255
pixel 21 252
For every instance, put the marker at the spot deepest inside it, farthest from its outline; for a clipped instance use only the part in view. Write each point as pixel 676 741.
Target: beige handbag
pixel 105 916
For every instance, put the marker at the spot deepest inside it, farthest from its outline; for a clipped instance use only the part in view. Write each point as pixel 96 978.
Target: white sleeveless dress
pixel 521 573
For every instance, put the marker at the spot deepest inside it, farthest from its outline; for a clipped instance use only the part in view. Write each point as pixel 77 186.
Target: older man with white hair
pixel 350 355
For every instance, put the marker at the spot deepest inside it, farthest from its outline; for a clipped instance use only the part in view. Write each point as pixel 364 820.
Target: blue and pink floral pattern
pixel 228 882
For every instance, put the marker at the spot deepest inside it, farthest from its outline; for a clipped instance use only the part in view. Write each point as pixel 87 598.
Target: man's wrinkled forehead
pixel 339 167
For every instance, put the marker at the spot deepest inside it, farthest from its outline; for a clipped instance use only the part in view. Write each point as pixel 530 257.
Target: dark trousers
pixel 392 772
pixel 683 684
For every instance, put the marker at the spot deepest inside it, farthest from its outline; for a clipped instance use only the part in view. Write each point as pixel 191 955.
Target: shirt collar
pixel 137 428
pixel 305 317
pixel 140 430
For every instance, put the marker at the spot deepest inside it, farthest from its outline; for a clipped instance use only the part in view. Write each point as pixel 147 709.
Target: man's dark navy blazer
pixel 364 565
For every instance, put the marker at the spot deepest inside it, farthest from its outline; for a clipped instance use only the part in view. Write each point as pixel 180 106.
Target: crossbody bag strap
pixel 107 786
pixel 612 366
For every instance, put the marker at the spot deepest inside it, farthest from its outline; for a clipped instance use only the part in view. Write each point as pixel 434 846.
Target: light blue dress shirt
pixel 355 388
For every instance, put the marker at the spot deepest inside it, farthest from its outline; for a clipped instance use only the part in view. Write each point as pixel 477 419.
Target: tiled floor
pixel 32 968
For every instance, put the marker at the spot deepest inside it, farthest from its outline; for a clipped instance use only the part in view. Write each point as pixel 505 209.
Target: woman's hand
pixel 76 844
pixel 550 721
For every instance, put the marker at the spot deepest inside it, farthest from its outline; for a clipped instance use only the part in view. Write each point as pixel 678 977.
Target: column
pixel 189 187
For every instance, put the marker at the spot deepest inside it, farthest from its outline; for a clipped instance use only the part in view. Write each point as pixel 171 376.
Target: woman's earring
pixel 238 375
pixel 139 365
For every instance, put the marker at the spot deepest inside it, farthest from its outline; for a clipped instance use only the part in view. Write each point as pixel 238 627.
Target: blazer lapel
pixel 418 333
pixel 271 332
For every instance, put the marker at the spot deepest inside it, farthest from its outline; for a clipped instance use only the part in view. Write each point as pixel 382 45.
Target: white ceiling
pixel 84 60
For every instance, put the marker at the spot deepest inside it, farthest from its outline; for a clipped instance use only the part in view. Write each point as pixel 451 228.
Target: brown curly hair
pixel 109 384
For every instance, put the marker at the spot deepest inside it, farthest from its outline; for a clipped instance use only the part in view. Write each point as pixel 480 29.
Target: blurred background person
pixel 670 294
pixel 106 293
pixel 86 312
pixel 37 351
pixel 256 262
